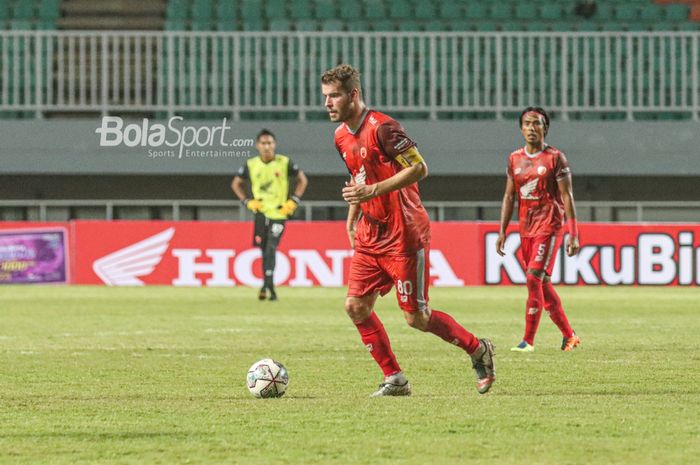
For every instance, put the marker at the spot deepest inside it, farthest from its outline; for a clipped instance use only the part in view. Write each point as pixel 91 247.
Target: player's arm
pixel 567 194
pixel 414 170
pixel 506 214
pixel 239 186
pixel 353 213
pixel 301 181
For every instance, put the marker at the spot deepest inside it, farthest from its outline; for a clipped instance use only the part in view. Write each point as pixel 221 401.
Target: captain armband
pixel 409 158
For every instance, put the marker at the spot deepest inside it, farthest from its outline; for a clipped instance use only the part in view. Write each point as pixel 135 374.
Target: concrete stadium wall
pixel 451 148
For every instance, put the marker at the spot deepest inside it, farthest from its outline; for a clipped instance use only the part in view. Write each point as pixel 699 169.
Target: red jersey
pixel 540 206
pixel 395 223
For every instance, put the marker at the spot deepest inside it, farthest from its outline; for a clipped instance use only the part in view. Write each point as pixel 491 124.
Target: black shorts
pixel 267 231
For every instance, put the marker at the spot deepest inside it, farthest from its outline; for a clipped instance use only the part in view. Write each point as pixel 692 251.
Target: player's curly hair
pixel 346 75
pixel 539 110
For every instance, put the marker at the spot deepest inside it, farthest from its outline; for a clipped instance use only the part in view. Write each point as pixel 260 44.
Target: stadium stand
pixel 443 15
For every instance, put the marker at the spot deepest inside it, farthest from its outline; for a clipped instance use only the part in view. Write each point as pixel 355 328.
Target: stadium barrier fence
pixel 428 74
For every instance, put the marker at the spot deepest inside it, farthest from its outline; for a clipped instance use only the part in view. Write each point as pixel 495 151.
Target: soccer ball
pixel 267 378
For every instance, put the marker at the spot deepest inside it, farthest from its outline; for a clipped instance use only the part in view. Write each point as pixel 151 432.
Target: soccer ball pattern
pixel 267 378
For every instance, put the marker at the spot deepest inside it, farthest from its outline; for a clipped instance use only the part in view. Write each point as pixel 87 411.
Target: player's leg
pixel 260 232
pixel 412 278
pixel 366 282
pixel 537 253
pixel 552 303
pixel 272 240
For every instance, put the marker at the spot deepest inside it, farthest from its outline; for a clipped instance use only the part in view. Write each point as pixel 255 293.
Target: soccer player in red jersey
pixel 541 177
pixel 391 238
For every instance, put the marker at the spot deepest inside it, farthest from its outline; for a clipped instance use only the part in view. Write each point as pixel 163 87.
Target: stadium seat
pixel 351 10
pixel 176 10
pixel 551 12
pixel 49 9
pixel 652 12
pixel 400 9
pixel 202 10
pixel 333 25
pixel 227 25
pixel 425 11
pixel 325 9
pixel 450 10
pixel 676 12
pixel 626 12
pixel 383 25
pixel 374 9
pixel 526 11
pixel 436 26
pixel 250 10
pixel 275 9
pixel 475 10
pixel 226 10
pixel 280 24
pixel 306 25
pixel 300 9
pixel 409 26
pixel 501 10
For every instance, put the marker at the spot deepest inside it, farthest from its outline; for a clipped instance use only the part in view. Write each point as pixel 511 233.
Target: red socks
pixel 376 340
pixel 443 325
pixel 556 311
pixel 535 298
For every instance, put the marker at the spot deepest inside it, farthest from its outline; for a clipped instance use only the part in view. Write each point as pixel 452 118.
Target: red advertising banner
pixel 135 253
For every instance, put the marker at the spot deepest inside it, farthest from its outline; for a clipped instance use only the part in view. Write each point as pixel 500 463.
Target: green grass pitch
pixel 93 375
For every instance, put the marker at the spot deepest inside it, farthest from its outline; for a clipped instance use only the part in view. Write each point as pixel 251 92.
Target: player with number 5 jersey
pixel 390 232
pixel 540 176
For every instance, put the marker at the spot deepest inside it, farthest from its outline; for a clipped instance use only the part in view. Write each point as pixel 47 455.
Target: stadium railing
pixel 433 75
pixel 63 210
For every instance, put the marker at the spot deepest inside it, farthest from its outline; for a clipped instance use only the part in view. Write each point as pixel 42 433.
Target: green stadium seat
pixel 201 24
pixel 226 10
pixel 464 26
pixel 253 24
pixel 501 10
pixel 49 9
pixel 486 26
pixel 357 25
pixel 551 12
pixel 383 25
pixel 476 11
pixel 300 9
pixel 175 25
pixel 306 25
pixel 202 10
pixel 374 9
pixel 526 11
pixel 626 12
pixel 409 26
pixel 400 9
pixel 689 26
pixel 275 9
pixel 436 26
pixel 425 11
pixel 450 10
pixel 351 10
pixel 46 24
pixel 4 10
pixel 227 25
pixel 251 10
pixel 21 25
pixel 24 10
pixel 652 12
pixel 325 9
pixel 676 12
pixel 333 25
pixel 176 10
pixel 604 12
pixel 589 26
pixel 512 26
pixel 280 24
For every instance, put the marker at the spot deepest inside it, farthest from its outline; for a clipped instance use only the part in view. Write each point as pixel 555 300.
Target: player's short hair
pixel 265 132
pixel 346 75
pixel 539 110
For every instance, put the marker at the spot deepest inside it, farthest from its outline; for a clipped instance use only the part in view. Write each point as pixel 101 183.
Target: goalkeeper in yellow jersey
pixel 268 175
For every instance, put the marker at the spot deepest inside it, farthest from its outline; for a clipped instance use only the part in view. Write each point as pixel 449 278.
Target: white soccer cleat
pixel 390 389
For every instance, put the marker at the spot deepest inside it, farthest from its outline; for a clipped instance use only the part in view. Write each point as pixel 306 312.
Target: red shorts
pixel 410 274
pixel 540 252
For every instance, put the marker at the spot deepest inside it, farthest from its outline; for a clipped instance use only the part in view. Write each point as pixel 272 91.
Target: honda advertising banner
pixel 137 253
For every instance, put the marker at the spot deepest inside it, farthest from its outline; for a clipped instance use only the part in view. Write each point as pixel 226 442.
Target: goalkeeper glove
pixel 290 206
pixel 253 205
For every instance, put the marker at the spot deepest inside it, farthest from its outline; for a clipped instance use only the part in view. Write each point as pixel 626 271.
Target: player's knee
pixel 534 291
pixel 417 320
pixel 357 309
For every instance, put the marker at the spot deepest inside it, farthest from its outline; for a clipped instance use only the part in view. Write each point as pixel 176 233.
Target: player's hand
pixel 254 205
pixel 351 236
pixel 356 194
pixel 289 207
pixel 500 242
pixel 572 246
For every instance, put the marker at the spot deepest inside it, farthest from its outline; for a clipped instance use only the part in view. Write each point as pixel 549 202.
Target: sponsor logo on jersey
pixel 527 190
pixel 541 170
pixel 401 144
